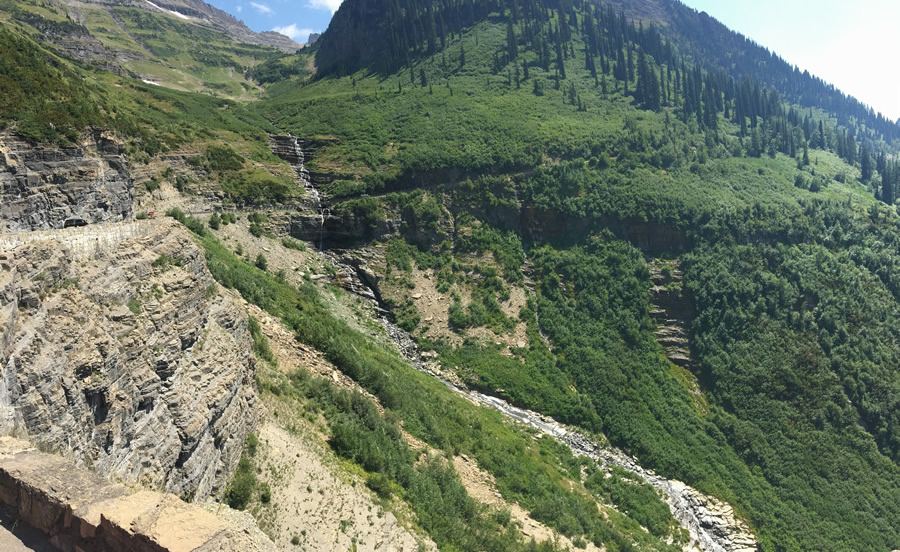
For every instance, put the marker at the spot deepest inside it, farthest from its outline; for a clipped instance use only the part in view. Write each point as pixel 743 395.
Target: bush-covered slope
pixel 565 141
pixel 580 131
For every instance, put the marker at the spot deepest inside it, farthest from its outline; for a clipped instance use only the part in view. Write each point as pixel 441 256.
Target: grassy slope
pixel 51 99
pixel 631 164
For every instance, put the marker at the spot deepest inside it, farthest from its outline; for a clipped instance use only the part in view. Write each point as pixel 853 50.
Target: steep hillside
pixel 609 269
pixel 199 13
pixel 83 142
pixel 557 148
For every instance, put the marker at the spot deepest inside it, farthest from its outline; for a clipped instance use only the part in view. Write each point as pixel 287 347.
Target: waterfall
pixel 290 148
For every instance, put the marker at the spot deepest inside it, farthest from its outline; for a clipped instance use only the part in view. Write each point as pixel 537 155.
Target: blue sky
pixel 294 18
pixel 850 44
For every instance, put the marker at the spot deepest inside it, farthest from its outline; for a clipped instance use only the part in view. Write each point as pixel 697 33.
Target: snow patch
pixel 175 13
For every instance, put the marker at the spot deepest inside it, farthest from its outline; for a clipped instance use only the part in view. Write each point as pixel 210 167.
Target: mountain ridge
pixel 202 13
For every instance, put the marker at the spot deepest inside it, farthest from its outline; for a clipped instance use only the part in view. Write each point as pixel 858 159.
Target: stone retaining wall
pixel 82 512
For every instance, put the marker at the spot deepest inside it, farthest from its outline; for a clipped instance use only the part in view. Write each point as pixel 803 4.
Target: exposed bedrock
pixel 130 361
pixel 42 186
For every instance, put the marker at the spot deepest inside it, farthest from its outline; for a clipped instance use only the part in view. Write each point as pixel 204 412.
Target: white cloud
pixel 261 8
pixel 291 31
pixel 330 5
pixel 239 9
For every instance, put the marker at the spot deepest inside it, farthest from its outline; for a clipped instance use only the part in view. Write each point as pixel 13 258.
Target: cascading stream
pixel 711 523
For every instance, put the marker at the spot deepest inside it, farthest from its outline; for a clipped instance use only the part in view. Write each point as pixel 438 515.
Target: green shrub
pixel 164 262
pixel 240 491
pixel 291 243
pixel 223 158
pixel 176 214
pixel 263 350
pixel 380 485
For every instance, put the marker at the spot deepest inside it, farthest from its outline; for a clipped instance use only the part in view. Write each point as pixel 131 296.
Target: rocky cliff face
pixel 672 310
pixel 42 186
pixel 130 361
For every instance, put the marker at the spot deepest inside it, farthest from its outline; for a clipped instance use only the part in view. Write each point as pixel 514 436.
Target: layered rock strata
pixel 672 310
pixel 125 356
pixel 42 186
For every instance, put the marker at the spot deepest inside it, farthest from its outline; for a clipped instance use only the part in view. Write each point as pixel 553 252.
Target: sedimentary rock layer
pixel 42 186
pixel 130 361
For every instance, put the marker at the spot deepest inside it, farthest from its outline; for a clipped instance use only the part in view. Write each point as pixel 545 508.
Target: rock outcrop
pixel 77 510
pixel 672 310
pixel 126 357
pixel 312 219
pixel 42 186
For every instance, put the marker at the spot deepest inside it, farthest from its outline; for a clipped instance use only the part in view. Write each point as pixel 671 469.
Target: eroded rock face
pixel 131 362
pixel 42 186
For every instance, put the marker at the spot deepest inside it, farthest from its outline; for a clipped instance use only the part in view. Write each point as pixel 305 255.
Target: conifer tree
pixel 865 164
pixel 620 73
pixel 755 147
pixel 887 185
pixel 512 48
pixel 560 66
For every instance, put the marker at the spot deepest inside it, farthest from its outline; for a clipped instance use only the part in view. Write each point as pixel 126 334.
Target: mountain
pixel 194 11
pixel 185 45
pixel 519 275
pixel 606 156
